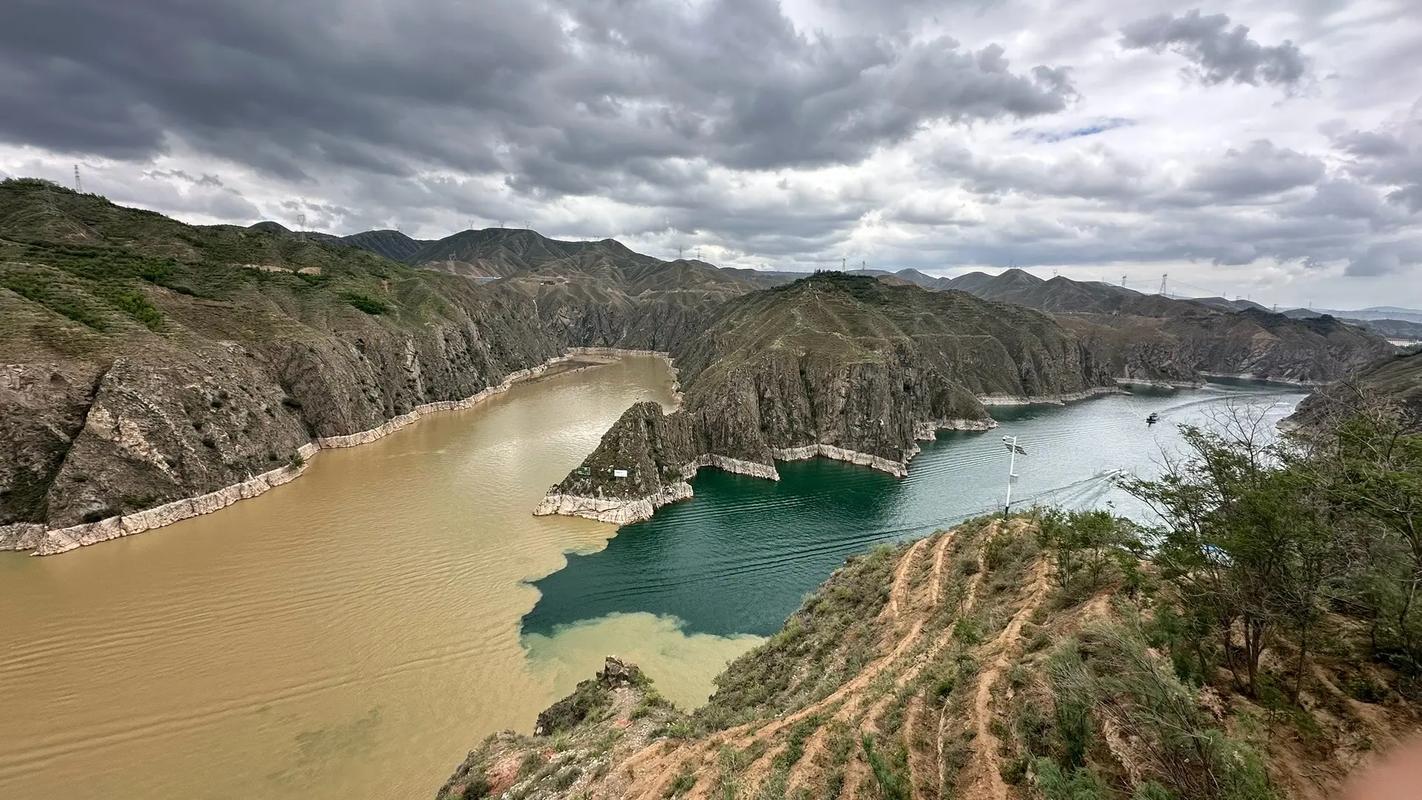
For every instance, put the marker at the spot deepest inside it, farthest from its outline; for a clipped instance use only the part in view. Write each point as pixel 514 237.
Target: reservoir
pixel 741 555
pixel 353 633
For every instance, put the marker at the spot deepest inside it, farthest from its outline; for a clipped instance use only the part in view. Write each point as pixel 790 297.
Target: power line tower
pixel 78 184
pixel 1163 284
pixel 1123 281
pixel 842 263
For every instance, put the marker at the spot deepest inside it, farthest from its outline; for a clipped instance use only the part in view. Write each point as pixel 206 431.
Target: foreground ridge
pixel 956 666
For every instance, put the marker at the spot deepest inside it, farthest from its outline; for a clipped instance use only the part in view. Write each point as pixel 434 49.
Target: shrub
pixel 137 306
pixel 478 787
pixel 1056 783
pixel 891 782
pixel 682 783
pixel 366 303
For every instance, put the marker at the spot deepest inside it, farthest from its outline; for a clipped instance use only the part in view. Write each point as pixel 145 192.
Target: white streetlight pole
pixel 1012 450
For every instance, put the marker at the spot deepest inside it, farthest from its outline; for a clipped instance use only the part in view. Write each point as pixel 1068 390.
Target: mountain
pixel 1225 304
pixel 1155 338
pixel 837 365
pixel 1395 380
pixel 966 665
pixel 146 361
pixel 1366 314
pixel 500 252
pixel 1403 329
pixel 393 245
pixel 1399 329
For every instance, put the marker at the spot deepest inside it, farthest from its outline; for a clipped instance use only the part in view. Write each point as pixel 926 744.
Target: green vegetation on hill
pixel 151 360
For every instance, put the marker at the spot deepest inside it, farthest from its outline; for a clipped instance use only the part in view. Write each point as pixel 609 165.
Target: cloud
pixel 1389 157
pixel 540 90
pixel 1387 258
pixel 787 134
pixel 1218 52
pixel 1259 169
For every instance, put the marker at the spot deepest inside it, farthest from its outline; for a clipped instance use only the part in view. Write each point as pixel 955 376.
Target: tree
pixel 1366 463
pixel 1244 542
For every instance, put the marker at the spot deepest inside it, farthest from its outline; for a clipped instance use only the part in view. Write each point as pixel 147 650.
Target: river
pixel 353 633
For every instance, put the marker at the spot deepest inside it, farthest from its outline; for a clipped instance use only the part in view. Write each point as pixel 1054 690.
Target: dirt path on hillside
pixel 658 767
pixel 910 607
pixel 985 772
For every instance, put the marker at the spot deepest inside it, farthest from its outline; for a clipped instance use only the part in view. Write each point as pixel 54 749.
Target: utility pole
pixel 78 185
pixel 1012 450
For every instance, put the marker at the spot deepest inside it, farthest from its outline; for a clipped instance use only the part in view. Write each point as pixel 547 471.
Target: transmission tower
pixel 1123 281
pixel 1163 277
pixel 78 185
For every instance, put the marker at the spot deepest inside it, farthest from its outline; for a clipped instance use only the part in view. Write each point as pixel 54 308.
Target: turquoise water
pixel 741 555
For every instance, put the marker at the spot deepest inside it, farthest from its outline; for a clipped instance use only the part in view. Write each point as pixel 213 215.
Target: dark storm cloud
pixel 552 95
pixel 1218 52
pixel 1259 169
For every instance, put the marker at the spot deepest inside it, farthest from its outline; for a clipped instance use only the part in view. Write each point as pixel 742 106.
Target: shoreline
pixel 45 541
pixel 625 511
pixel 999 400
pixel 1249 376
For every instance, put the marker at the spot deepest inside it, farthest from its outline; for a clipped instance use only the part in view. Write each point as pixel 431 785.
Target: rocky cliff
pixel 1392 381
pixel 832 365
pixel 1151 337
pixel 145 362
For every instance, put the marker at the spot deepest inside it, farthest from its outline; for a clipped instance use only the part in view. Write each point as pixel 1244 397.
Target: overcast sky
pixel 1263 149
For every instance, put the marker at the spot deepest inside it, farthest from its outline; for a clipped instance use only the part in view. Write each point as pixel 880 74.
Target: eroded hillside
pixel 144 361
pixel 835 365
pixel 963 665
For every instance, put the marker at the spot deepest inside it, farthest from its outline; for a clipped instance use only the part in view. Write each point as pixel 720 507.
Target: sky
pixel 1269 150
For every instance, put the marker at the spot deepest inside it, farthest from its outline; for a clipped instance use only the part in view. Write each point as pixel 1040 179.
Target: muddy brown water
pixel 349 635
